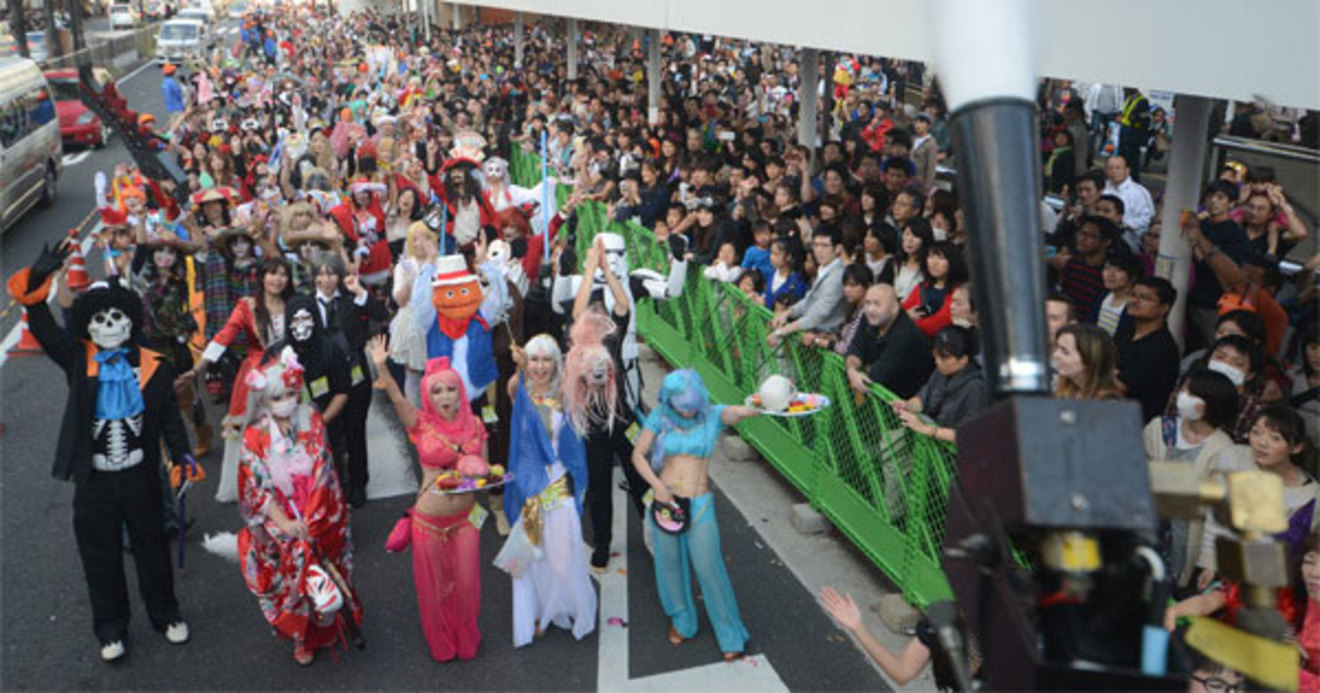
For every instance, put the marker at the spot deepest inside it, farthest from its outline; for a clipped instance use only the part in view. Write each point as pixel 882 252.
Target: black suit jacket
pixel 160 419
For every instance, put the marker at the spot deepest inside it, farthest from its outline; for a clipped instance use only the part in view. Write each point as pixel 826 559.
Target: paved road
pixel 46 629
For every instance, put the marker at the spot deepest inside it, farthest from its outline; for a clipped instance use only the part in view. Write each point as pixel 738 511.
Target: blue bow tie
pixel 118 395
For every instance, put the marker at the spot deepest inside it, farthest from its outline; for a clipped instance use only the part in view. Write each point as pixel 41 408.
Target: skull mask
pixel 302 326
pixel 110 328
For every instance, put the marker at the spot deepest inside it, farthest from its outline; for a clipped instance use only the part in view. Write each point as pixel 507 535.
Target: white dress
pixel 407 343
pixel 556 588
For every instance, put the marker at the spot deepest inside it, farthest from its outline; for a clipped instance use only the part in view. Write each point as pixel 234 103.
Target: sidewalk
pixel 758 492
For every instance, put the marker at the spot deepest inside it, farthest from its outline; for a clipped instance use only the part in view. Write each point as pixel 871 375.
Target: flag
pixel 531 454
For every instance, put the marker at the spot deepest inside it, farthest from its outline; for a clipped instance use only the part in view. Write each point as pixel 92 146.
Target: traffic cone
pixel 27 344
pixel 77 277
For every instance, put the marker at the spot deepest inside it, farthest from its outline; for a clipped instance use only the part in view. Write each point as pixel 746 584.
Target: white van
pixel 123 17
pixel 182 38
pixel 30 149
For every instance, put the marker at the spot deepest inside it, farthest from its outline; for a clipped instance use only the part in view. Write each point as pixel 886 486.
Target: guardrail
pixel 109 53
pixel 881 485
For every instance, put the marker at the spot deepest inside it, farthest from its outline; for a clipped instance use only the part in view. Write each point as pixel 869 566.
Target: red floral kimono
pixel 275 564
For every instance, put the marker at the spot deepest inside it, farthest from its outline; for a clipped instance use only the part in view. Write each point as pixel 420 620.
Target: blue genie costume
pixel 683 392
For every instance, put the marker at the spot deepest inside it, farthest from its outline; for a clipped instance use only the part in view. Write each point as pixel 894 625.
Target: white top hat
pixel 451 270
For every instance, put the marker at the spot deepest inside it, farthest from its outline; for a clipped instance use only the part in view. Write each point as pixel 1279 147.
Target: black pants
pixel 103 504
pixel 604 450
pixel 355 437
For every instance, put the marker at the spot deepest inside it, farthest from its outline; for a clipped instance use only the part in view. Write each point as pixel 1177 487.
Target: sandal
pixel 303 655
pixel 675 638
pixel 732 656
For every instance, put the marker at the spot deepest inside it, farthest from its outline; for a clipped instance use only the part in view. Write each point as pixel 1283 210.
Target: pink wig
pixel 591 392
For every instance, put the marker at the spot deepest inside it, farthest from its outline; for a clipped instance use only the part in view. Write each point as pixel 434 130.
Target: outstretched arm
pixel 378 352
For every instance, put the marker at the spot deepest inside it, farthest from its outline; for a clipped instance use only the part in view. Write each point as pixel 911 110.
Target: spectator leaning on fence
pixel 955 391
pixel 888 348
pixel 823 306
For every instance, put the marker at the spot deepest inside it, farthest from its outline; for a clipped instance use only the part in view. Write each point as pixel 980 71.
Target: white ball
pixel 776 393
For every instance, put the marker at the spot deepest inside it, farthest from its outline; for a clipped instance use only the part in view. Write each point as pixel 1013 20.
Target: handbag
pixel 401 536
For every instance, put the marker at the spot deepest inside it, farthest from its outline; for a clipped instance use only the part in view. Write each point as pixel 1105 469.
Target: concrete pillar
pixel 428 11
pixel 519 38
pixel 808 96
pixel 573 34
pixel 1187 159
pixel 456 15
pixel 653 76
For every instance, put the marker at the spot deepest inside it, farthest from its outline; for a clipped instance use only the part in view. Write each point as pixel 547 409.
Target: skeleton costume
pixel 121 407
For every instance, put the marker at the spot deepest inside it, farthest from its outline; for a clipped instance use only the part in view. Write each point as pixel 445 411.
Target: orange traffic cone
pixel 77 277
pixel 27 344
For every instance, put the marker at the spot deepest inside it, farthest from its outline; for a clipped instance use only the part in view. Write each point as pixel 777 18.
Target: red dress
pixel 275 564
pixel 242 320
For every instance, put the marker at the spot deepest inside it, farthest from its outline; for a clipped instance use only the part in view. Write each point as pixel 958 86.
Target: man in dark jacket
pixel 1147 353
pixel 888 348
pixel 121 406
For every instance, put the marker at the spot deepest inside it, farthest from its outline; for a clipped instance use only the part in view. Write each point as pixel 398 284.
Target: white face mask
pixel 302 325
pixel 1190 407
pixel 110 328
pixel 1229 371
pixel 284 408
pixel 940 234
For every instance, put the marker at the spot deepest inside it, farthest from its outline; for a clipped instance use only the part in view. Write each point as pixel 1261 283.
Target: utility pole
pixel 18 24
pixel 80 57
pixel 52 35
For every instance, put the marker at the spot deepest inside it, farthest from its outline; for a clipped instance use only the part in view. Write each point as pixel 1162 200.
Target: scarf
pixel 118 395
pixel 464 427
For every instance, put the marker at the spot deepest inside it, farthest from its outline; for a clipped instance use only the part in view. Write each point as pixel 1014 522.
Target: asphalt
pixel 45 619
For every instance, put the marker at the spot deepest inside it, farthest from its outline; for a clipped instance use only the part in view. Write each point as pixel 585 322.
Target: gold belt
pixel 534 509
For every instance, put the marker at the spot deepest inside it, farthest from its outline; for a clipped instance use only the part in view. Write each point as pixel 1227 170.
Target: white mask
pixel 1229 371
pixel 284 408
pixel 110 328
pixel 1190 407
pixel 302 325
pixel 940 234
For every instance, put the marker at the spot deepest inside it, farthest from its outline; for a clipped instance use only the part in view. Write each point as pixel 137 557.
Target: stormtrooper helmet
pixel 616 256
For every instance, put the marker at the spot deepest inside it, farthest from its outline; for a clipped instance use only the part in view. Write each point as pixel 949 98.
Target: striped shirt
pixel 1109 314
pixel 1082 284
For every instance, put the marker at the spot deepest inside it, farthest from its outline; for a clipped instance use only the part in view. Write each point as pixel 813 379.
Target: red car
pixel 78 124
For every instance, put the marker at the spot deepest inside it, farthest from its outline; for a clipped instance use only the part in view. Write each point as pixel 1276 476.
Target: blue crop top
pixel 698 440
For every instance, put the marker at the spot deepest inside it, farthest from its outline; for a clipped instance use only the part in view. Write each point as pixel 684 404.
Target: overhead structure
pixel 1181 46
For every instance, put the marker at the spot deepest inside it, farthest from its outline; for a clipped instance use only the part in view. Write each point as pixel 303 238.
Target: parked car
pixel 179 39
pixel 30 151
pixel 78 124
pixel 123 17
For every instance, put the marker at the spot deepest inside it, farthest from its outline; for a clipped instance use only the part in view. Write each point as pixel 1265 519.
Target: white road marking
pixel 751 673
pixel 150 62
pixel 75 159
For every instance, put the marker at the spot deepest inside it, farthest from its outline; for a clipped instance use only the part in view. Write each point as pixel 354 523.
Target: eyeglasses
pixel 1214 684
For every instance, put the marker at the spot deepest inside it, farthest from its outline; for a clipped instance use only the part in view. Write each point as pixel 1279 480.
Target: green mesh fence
pixel 880 484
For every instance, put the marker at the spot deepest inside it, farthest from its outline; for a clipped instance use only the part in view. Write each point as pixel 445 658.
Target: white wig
pixel 545 345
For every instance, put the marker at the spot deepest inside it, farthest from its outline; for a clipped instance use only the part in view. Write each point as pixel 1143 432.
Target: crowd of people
pixel 347 219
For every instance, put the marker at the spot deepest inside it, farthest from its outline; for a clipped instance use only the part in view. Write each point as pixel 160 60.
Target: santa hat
pixel 451 270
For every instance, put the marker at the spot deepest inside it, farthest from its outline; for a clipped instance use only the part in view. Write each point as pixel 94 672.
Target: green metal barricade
pixel 880 484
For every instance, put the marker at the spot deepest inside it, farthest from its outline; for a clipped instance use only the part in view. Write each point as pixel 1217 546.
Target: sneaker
pixel 600 559
pixel 177 633
pixel 112 651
